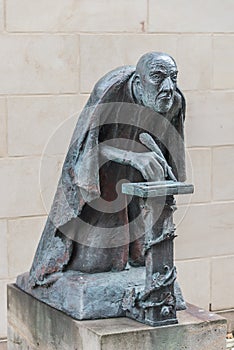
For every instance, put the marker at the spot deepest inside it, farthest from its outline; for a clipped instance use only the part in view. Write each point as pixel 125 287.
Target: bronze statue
pixel 130 129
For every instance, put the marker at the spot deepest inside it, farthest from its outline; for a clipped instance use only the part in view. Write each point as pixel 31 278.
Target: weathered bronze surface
pixel 131 130
pixel 156 304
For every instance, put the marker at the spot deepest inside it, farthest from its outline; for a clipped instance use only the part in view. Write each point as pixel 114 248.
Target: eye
pixel 174 77
pixel 157 76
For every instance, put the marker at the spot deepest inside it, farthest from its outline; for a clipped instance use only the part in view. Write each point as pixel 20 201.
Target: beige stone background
pixel 51 54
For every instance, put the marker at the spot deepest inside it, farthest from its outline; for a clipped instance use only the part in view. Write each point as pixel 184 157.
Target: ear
pixel 137 88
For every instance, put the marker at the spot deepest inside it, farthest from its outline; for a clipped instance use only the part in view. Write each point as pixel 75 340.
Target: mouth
pixel 164 96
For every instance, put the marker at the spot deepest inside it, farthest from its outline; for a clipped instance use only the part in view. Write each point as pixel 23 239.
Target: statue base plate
pixel 92 296
pixel 35 325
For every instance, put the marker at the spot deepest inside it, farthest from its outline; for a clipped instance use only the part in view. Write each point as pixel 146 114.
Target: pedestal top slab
pixel 193 315
pixel 36 326
pixel 157 188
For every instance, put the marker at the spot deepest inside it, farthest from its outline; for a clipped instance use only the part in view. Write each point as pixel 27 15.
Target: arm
pixel 115 154
pixel 146 162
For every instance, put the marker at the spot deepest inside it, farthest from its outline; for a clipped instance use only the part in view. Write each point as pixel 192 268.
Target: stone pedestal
pixel 35 325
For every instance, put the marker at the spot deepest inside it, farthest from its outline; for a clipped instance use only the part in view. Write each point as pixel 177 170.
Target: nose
pixel 167 85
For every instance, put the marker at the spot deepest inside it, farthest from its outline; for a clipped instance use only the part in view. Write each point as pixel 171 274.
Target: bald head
pixel 152 60
pixel 155 81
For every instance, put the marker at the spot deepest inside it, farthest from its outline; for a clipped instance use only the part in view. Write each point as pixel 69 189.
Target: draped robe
pixel 78 235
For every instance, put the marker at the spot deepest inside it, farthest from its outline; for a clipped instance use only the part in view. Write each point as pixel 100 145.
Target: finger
pixel 145 175
pixel 156 165
pixel 171 175
pixel 150 171
pixel 166 167
pixel 158 172
pixel 160 160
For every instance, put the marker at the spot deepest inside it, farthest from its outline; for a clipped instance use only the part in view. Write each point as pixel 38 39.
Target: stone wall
pixel 52 53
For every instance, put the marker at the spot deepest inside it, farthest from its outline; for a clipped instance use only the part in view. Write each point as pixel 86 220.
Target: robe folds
pixel 92 227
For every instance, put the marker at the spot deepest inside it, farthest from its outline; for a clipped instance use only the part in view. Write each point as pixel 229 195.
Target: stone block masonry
pixel 35 325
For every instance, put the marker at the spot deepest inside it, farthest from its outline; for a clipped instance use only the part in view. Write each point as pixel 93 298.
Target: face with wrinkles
pixel 157 78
